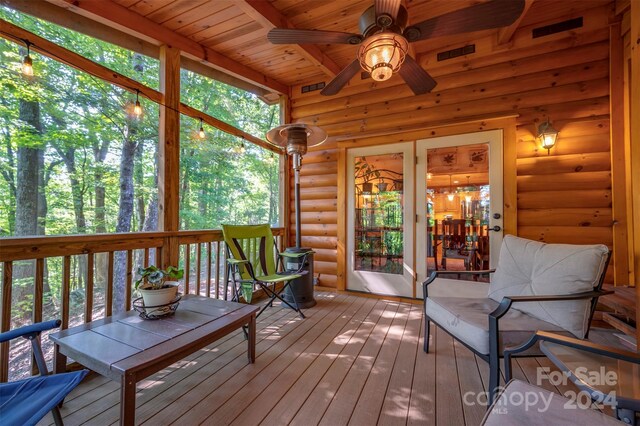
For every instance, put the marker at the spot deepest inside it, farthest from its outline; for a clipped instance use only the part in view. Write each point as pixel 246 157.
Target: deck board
pixel 353 360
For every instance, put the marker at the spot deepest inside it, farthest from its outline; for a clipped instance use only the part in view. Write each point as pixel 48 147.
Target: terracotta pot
pixel 157 297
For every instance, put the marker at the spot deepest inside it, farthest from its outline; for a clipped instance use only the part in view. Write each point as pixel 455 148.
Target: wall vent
pixel 454 53
pixel 558 27
pixel 313 87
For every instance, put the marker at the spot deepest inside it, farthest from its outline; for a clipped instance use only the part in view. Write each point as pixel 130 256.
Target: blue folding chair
pixel 25 402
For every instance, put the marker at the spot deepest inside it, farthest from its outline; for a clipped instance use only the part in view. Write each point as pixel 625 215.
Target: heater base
pixel 301 287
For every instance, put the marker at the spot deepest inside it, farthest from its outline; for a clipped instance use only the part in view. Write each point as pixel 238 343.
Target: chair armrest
pixel 507 301
pixel 235 262
pixel 587 346
pixel 572 342
pixel 290 255
pixel 29 331
pixel 435 274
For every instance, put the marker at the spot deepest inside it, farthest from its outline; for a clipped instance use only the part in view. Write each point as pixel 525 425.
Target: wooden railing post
pixel 169 152
pixel 5 318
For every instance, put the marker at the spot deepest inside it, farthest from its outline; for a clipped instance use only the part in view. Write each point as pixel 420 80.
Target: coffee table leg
pixel 128 400
pixel 252 339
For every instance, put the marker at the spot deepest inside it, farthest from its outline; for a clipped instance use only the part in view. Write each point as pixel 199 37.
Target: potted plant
pixel 158 286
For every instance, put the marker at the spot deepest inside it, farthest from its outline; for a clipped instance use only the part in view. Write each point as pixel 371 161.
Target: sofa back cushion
pixel 527 268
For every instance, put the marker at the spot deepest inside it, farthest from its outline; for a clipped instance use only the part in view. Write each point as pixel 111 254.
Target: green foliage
pixel 154 277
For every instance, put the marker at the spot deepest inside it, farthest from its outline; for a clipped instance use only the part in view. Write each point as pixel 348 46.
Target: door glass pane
pixel 458 208
pixel 379 211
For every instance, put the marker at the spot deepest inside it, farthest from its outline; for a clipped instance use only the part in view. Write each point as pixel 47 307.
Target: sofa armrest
pixel 507 301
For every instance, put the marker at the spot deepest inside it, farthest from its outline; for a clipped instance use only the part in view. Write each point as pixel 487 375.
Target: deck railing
pixel 95 273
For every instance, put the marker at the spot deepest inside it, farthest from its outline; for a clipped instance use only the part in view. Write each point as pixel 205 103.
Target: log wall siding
pixel 562 197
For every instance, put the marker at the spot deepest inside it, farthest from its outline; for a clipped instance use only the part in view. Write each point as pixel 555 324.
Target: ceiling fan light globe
pixel 382 54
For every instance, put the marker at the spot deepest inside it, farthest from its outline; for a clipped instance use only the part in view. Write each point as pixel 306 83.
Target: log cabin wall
pixel 561 197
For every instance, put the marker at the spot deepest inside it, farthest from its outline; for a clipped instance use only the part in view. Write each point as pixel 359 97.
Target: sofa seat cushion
pixel 468 320
pixel 522 404
pixel 444 287
pixel 527 268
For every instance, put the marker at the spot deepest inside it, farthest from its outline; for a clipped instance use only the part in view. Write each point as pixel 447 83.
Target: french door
pixel 380 214
pixel 459 203
pixel 416 207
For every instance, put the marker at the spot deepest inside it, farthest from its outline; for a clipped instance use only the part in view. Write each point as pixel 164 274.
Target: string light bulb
pixel 27 62
pixel 201 133
pixel 243 149
pixel 137 109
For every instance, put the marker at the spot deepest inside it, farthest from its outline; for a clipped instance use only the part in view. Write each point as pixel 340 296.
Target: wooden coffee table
pixel 127 348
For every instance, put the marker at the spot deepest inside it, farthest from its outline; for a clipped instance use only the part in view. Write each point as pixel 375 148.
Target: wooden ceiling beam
pixel 106 11
pixel 506 34
pixel 270 17
pixel 47 48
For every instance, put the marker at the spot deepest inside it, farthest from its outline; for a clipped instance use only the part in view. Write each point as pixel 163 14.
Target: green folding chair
pixel 252 258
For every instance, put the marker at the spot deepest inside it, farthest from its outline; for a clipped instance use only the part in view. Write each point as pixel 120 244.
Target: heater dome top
pixel 296 133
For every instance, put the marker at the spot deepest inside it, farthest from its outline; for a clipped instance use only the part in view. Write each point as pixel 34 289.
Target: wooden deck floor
pixel 353 360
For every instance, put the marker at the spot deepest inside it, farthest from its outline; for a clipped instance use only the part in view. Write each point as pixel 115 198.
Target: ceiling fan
pixel 385 38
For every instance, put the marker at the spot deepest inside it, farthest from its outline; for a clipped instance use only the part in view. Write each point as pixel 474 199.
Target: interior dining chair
pixel 454 242
pixel 253 260
pixel 27 401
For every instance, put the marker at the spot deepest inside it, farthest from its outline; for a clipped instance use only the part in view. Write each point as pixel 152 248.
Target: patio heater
pixel 296 138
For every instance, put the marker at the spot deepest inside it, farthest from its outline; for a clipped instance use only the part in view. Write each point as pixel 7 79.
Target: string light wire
pixel 132 89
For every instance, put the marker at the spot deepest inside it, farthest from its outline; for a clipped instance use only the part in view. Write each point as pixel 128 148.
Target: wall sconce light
pixel 547 135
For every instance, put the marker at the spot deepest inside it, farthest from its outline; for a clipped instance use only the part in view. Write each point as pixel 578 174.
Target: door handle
pixel 496 228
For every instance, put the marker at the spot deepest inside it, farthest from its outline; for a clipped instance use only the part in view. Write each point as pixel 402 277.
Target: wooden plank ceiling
pixel 237 29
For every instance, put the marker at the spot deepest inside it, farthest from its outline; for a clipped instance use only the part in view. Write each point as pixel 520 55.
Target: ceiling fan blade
pixel 483 16
pixel 416 78
pixel 341 79
pixel 387 7
pixel 295 36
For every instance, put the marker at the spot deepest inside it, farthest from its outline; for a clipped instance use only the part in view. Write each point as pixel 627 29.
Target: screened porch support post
pixel 169 152
pixel 635 151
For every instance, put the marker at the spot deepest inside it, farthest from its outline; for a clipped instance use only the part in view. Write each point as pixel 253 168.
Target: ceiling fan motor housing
pixel 369 25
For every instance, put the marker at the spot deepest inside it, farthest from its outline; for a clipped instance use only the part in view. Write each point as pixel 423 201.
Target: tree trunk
pixel 138 175
pixel 125 214
pixel 9 177
pixel 29 175
pixel 69 158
